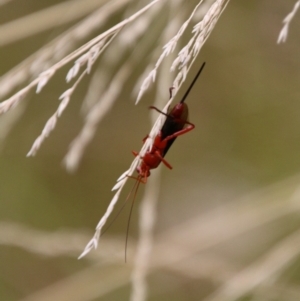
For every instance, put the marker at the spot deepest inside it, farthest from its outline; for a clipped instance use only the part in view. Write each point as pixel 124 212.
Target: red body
pixel 172 128
pixel 176 124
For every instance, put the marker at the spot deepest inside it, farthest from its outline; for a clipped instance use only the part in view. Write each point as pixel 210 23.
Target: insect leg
pixel 166 163
pixel 171 91
pixel 159 111
pixel 190 127
pixel 135 153
pixel 139 179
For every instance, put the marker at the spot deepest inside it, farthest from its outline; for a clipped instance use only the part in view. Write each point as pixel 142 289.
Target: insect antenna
pixel 135 186
pixel 130 213
pixel 192 84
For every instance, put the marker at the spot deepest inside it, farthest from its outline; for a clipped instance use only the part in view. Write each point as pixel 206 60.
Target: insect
pixel 176 124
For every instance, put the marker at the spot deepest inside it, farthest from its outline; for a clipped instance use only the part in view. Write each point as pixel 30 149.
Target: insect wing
pixel 170 127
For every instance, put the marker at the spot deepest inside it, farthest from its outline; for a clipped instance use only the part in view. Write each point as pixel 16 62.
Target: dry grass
pixel 175 48
pixel 85 57
pixel 177 248
pixel 287 20
pixel 187 56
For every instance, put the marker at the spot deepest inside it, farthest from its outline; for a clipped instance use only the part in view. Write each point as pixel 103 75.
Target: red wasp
pixel 175 125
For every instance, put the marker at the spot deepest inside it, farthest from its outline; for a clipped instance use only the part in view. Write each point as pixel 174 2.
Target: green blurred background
pixel 244 151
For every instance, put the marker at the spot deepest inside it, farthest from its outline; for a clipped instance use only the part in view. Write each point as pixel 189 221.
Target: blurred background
pixel 228 219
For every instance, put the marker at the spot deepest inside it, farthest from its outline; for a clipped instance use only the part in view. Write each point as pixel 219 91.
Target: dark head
pixel 143 170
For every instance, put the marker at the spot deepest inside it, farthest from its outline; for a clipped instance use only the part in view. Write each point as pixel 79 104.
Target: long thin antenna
pixel 129 218
pixel 192 84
